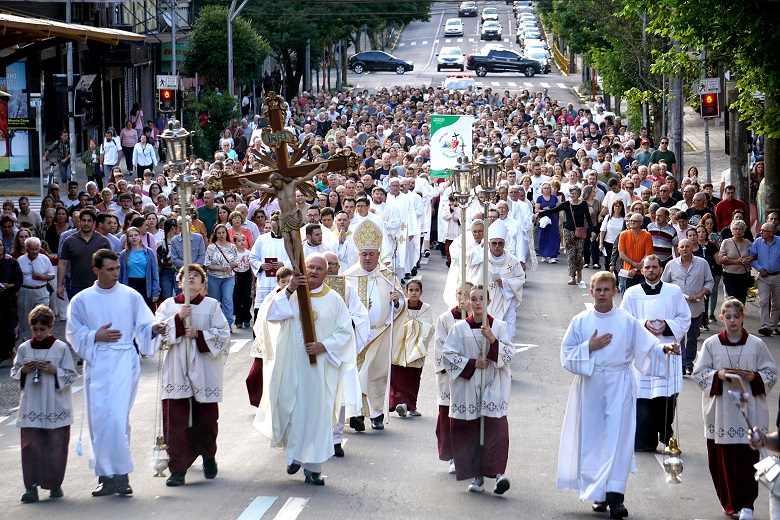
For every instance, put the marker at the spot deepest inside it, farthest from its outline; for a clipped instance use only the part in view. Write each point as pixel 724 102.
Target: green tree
pixel 206 52
pixel 221 110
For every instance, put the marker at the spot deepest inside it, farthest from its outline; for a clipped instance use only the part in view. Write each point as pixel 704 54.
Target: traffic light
pixel 84 105
pixel 167 100
pixel 710 107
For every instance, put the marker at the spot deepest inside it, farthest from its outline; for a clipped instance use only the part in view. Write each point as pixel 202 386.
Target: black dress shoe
pixel 448 263
pixel 618 511
pixel 176 479
pixel 106 486
pixel 56 493
pixel 765 331
pixel 209 468
pixel 358 423
pixel 31 495
pixel 377 423
pixel 414 271
pixel 599 507
pixel 293 468
pixel 338 451
pixel 122 483
pixel 315 479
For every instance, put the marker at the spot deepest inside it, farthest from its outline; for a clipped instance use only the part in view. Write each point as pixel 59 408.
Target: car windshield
pixel 537 54
pixel 491 25
pixel 453 24
pixel 450 51
pixel 469 4
pixel 490 10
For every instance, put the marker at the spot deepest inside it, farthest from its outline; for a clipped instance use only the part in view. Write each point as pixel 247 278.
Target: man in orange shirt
pixel 633 246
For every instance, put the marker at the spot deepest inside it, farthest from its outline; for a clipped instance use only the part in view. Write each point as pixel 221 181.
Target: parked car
pixel 489 13
pixel 528 34
pixel 529 43
pixel 453 27
pixel 450 58
pixel 539 55
pixel 377 61
pixel 502 60
pixel 491 30
pixel 467 9
pixel 460 83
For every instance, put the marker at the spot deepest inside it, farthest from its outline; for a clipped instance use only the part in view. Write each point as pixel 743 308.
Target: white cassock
pixel 394 235
pixel 309 249
pixel 444 324
pixel 473 249
pixel 669 305
pixel 474 207
pixel 505 299
pixel 267 246
pixel 329 239
pixel 513 229
pixel 524 240
pixel 417 333
pixel 444 201
pixel 597 439
pixel 374 289
pixel 288 414
pixel 191 372
pixel 347 252
pixel 414 222
pixel 427 193
pixel 111 370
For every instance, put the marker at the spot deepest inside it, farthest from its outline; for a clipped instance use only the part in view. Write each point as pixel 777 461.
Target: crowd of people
pixel 571 181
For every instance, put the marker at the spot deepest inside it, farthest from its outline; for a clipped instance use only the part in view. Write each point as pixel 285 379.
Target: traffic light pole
pixel 71 100
pixel 707 148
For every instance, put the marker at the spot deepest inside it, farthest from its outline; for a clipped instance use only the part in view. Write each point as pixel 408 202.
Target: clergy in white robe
pixel 506 278
pixel 445 190
pixel 450 221
pixel 464 362
pixel 192 377
pixel 522 211
pixel 473 251
pixel 512 227
pixel 393 250
pixel 345 249
pixel 103 322
pixel 379 291
pixel 663 310
pixel 268 254
pixel 599 347
pixel 46 406
pixel 288 414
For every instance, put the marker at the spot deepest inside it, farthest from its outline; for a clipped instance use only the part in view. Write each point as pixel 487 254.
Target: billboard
pixel 449 136
pixel 15 121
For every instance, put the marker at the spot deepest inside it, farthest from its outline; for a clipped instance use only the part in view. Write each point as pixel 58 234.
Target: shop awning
pixel 18 31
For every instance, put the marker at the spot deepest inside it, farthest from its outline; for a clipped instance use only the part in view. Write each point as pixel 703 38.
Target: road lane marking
pixel 471 40
pixel 528 84
pixel 545 85
pixel 506 40
pixel 402 44
pixel 436 42
pixel 3 418
pixel 495 83
pixel 292 508
pixel 425 42
pixel 238 345
pixel 460 40
pixel 561 85
pixel 257 508
pixel 512 84
pixel 413 43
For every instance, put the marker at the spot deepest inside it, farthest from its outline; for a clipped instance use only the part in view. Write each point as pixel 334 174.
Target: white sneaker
pixel 401 410
pixel 451 471
pixel 553 260
pixel 746 514
pixel 502 485
pixel 476 486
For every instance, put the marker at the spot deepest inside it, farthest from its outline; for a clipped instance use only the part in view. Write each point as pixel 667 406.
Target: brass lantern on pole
pixel 175 139
pixel 486 166
pixel 461 180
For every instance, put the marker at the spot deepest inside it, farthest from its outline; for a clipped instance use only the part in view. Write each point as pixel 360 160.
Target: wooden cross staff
pixel 277 138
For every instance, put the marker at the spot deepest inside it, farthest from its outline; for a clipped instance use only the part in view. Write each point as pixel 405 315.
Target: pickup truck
pixel 502 60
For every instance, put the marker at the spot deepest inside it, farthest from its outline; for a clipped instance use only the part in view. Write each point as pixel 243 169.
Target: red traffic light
pixel 709 99
pixel 709 105
pixel 166 94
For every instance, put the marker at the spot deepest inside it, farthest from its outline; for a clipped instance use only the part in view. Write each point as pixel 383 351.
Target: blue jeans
pixel 64 171
pixel 167 283
pixel 221 289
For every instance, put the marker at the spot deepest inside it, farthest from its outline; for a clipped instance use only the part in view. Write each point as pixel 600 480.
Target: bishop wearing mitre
pixel 377 288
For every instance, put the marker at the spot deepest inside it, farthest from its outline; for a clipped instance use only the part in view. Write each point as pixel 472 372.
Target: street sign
pixel 166 82
pixel 85 82
pixel 708 86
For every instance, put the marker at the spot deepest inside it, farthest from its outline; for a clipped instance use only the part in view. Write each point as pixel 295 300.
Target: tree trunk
pixel 771 175
pixel 738 156
pixel 618 100
pixel 344 54
pixel 358 35
pixel 676 110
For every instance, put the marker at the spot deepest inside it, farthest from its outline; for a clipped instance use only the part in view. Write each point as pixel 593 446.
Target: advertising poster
pixel 449 136
pixel 15 143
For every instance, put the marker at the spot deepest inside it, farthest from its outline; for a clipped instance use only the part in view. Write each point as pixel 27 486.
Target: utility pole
pixel 307 75
pixel 173 39
pixel 232 15
pixel 71 97
pixel 676 111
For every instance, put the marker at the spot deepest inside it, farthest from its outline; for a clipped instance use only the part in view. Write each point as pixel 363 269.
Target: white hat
pixel 497 230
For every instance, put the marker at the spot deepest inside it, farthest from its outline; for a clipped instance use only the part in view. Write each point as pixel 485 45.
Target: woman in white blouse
pixel 143 156
pixel 611 227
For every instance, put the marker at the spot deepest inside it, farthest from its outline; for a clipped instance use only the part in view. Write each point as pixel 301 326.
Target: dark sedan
pixel 378 61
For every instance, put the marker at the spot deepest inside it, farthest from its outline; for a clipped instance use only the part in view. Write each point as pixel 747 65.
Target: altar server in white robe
pixel 103 321
pixel 393 249
pixel 192 377
pixel 415 223
pixel 512 227
pixel 663 310
pixel 522 212
pixel 352 399
pixel 379 291
pixel 288 414
pixel 474 237
pixel 505 278
pixel 267 256
pixel 597 446
pixel 445 190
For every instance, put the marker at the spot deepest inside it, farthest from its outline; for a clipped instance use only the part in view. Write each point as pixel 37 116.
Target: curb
pixel 397 37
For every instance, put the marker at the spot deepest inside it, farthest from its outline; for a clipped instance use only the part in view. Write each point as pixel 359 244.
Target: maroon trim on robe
pixel 42 345
pixel 724 339
pixel 473 460
pixel 179 298
pixel 179 323
pixel 254 382
pixel 468 371
pixel 731 469
pixel 493 351
pixel 443 436
pixel 415 307
pixel 404 386
pixel 44 456
pixel 757 384
pixel 455 311
pixel 474 325
pixel 185 444
pixel 200 341
pixel 717 386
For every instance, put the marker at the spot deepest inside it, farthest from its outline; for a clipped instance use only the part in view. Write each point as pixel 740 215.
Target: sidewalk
pixel 694 147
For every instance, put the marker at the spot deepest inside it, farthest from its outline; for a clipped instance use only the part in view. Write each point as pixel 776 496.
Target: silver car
pixel 450 58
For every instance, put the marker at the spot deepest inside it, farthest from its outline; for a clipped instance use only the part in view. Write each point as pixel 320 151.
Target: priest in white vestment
pixel 505 278
pixel 192 377
pixel 377 288
pixel 522 212
pixel 393 250
pixel 267 256
pixel 103 322
pixel 346 251
pixel 512 227
pixel 600 347
pixel 289 415
pixel 474 237
pixel 663 310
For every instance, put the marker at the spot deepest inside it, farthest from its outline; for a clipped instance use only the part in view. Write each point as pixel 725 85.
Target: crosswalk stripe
pixel 448 40
pixel 257 508
pixel 425 42
pixel 413 43
pixel 436 42
pixel 402 44
pixel 528 84
pixel 561 85
pixel 545 85
pixel 292 508
pixel 512 84
pixel 495 83
pixel 459 40
pixel 471 40
pixel 506 40
pixel 238 345
pixel 3 418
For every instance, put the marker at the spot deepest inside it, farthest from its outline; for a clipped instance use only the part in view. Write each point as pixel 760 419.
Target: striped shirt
pixel 664 239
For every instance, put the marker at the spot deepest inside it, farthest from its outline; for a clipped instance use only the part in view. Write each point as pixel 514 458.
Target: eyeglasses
pixel 664 142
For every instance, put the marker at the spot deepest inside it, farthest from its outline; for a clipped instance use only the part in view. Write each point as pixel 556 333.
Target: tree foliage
pixel 206 52
pixel 221 109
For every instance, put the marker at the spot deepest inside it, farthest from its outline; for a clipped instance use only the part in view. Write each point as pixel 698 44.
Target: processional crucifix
pixel 280 179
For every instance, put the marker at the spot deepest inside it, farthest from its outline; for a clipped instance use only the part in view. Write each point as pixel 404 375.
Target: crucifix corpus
pixel 279 180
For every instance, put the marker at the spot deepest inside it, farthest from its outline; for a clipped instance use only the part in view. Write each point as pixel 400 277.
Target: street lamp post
pixel 486 167
pixel 461 186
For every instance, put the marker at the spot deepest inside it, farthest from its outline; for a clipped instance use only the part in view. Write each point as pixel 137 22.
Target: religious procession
pixel 314 244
